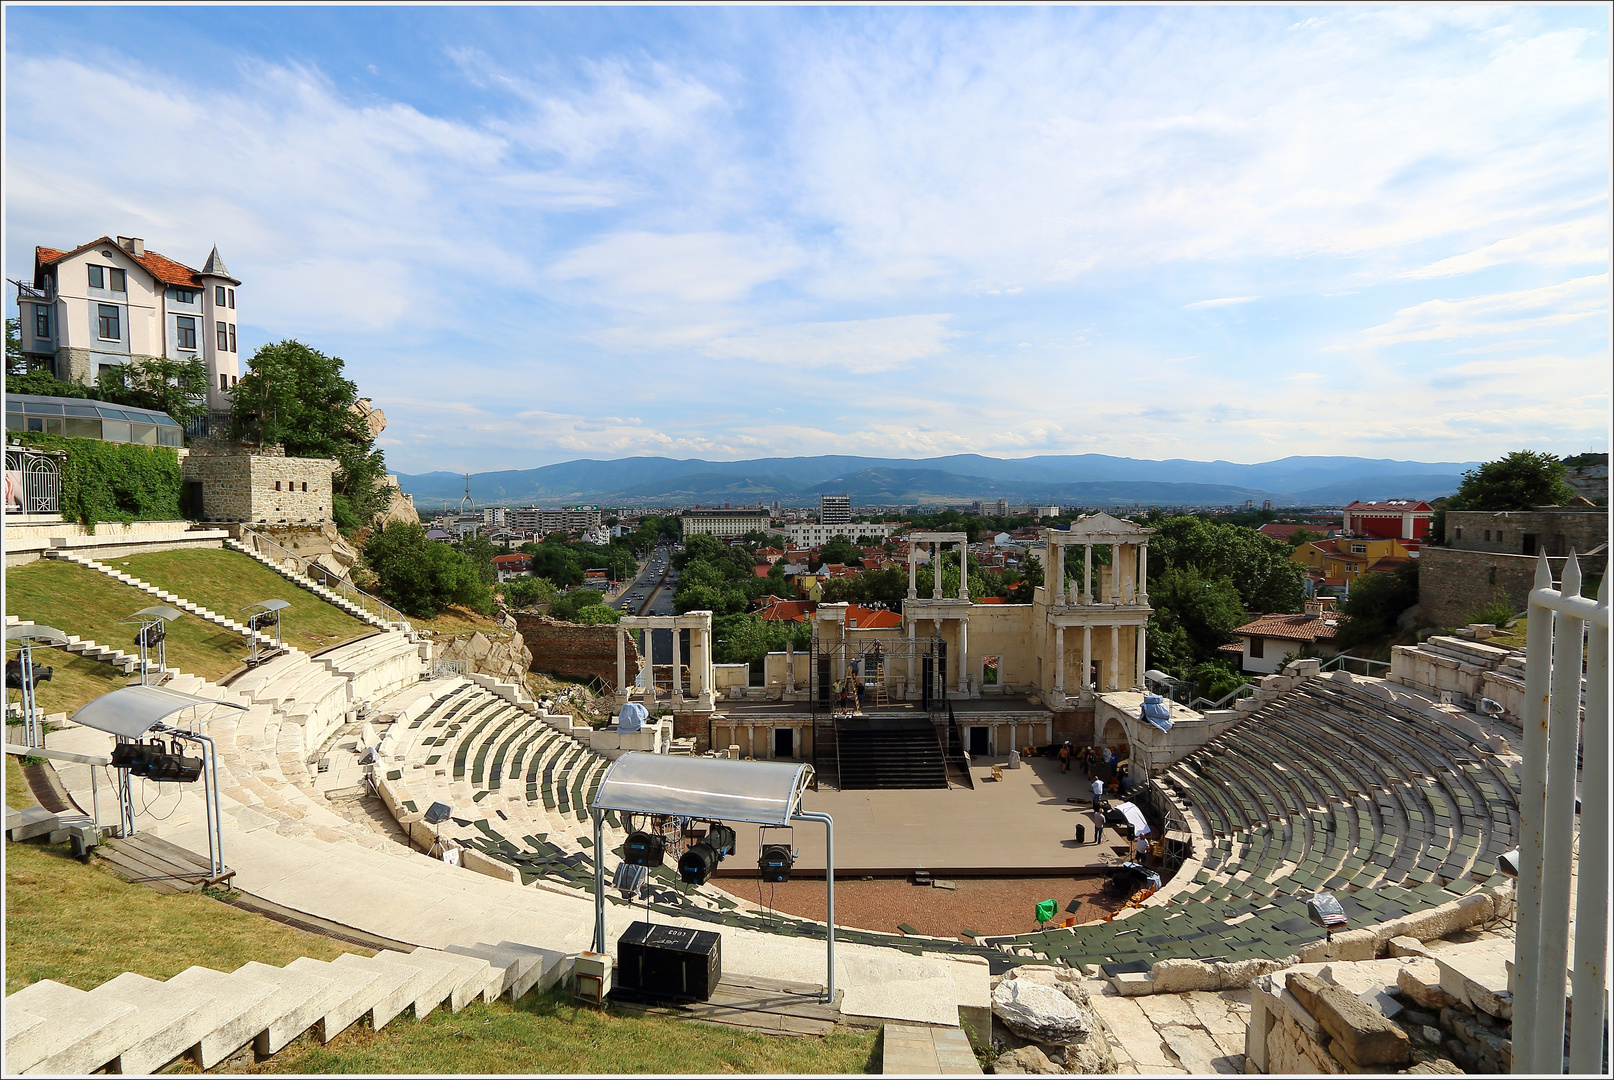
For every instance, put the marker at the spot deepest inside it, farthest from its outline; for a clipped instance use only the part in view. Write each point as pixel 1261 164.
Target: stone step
pixel 243 1008
pixel 301 999
pixel 169 1020
pixel 358 989
pixel 397 984
pixel 477 977
pixel 80 1034
pixel 25 1032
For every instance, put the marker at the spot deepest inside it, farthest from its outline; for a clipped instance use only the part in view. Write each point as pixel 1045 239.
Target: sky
pixel 536 235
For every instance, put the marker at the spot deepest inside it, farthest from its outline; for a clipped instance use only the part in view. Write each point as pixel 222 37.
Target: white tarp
pixel 1135 818
pixel 631 718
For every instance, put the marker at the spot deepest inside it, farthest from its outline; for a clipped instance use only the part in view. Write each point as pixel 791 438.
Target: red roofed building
pixel 506 567
pixel 111 302
pixel 859 617
pixel 1393 519
pixel 1267 640
pixel 776 609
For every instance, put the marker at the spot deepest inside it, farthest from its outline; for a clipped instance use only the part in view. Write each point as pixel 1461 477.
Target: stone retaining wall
pixel 1453 584
pixel 571 650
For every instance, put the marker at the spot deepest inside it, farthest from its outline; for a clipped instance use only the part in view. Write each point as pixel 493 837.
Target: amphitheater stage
pixel 997 706
pixel 1020 825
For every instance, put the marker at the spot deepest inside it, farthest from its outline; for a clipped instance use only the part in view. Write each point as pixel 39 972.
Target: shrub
pixel 1498 611
pixel 422 576
pixel 103 481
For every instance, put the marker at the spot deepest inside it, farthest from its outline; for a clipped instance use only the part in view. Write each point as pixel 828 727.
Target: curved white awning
pixel 135 710
pixel 758 792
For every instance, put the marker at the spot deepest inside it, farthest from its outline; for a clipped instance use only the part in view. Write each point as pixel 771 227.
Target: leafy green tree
pixel 552 559
pixel 1370 613
pixel 1301 537
pixel 1194 613
pixel 16 362
pixel 1518 481
pixel 480 551
pixel 44 384
pixel 839 550
pixel 585 606
pixel 422 576
pixel 297 396
pixel 175 387
pixel 1257 565
pixel 526 591
pixel 748 638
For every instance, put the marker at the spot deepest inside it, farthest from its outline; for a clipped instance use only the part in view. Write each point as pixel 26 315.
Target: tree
pixel 422 576
pixel 479 550
pixel 1301 537
pixel 296 396
pixel 1258 565
pixel 526 591
pixel 1193 614
pixel 176 387
pixel 16 362
pixel 1370 614
pixel 1518 481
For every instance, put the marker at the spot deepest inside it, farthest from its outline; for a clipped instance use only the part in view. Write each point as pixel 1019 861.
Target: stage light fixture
pixel 697 863
pixel 438 812
pixel 721 837
pixel 1508 863
pixel 775 863
pixel 14 674
pixel 644 849
pixel 151 635
pixel 137 757
pixel 173 765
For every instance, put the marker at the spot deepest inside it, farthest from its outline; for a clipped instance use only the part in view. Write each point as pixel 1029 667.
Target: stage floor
pixel 1019 825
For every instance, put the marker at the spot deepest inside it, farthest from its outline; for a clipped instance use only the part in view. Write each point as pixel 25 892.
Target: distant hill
pixel 1085 479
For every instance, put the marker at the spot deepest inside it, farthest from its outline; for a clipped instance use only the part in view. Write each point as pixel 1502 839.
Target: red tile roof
pixel 871 618
pixel 1290 628
pixel 160 267
pixel 1279 531
pixel 777 610
pixel 1393 506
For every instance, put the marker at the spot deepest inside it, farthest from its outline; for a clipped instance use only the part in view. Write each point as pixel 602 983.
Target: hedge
pixel 107 481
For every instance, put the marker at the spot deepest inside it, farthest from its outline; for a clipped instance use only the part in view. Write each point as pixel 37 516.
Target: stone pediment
pixel 1103 528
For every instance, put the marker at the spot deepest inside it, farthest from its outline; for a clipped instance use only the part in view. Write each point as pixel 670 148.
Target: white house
pixel 1268 640
pixel 109 302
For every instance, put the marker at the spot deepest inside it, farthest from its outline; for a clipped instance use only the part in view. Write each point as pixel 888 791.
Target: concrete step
pixel 169 1020
pixel 25 1032
pixel 396 984
pixel 430 986
pixel 477 977
pixel 243 1009
pixel 301 1000
pixel 358 991
pixel 79 1034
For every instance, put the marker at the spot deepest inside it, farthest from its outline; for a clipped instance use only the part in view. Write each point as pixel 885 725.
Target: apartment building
pixel 112 302
pixel 811 535
pixel 722 523
pixel 569 519
pixel 834 509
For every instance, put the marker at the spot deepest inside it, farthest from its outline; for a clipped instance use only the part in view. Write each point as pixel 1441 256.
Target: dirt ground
pixel 988 906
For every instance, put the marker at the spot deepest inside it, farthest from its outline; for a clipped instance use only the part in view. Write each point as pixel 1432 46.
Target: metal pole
pixel 1587 1030
pixel 95 801
pixel 599 883
pixel 210 795
pixel 30 734
pixel 829 884
pixel 1532 804
pixel 1558 820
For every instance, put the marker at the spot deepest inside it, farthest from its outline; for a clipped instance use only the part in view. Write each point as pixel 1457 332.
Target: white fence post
pixel 1559 619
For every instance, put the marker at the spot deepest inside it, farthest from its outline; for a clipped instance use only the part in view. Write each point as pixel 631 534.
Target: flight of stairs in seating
pixel 163 595
pixel 889 752
pixel 330 596
pixel 134 1024
pixel 127 663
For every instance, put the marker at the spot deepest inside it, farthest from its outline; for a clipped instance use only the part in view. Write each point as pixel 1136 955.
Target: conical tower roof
pixel 214 267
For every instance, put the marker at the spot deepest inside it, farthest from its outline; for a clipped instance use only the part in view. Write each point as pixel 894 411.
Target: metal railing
pixel 1565 724
pixel 1242 690
pixel 321 576
pixel 1338 662
pixel 443 668
pixel 33 480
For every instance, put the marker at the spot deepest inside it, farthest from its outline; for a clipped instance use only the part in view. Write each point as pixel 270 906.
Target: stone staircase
pixel 135 1024
pixel 127 663
pixel 330 596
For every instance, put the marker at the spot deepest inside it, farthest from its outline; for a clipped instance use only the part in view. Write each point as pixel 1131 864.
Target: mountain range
pixel 1073 479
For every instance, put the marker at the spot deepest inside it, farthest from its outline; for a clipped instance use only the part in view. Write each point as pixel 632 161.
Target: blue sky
pixel 543 234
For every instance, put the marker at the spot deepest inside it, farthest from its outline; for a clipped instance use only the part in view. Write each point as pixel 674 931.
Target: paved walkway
pixel 926 1051
pixel 1022 822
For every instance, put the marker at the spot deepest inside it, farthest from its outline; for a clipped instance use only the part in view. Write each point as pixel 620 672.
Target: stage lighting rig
pixel 644 849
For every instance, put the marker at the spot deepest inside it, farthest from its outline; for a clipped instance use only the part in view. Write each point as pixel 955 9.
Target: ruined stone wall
pixel 574 651
pixel 1075 725
pixel 1556 531
pixel 259 484
pixel 1452 584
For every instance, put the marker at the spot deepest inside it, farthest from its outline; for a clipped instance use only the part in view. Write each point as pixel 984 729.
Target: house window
pixel 1358 549
pixel 224 337
pixel 233 380
pixel 232 337
pixel 1258 648
pixel 218 295
pixel 115 280
pixel 277 485
pixel 97 277
pixel 185 296
pixel 224 381
pixel 185 331
pixel 232 298
pixel 107 322
pixel 41 321
pixel 1487 536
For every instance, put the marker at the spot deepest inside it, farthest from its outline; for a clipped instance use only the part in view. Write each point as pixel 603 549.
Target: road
pixel 654 590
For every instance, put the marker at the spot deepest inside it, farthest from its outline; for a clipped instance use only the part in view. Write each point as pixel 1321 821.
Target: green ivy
pixel 107 481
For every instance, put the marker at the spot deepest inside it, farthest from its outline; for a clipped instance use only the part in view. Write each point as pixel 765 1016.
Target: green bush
pixel 104 481
pixel 1498 611
pixel 422 576
pixel 525 591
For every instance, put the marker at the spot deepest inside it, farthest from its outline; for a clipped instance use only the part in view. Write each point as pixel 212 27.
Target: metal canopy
pixel 758 792
pixel 33 632
pixel 135 710
pixel 156 611
pixel 266 605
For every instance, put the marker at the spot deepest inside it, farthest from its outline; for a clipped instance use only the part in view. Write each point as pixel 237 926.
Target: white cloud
pixel 633 268
pixel 1223 301
pixel 1500 313
pixel 1584 240
pixel 864 345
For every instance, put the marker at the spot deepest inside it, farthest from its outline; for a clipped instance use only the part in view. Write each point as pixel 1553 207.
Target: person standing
pixel 1098 830
pixel 1064 757
pixel 1098 794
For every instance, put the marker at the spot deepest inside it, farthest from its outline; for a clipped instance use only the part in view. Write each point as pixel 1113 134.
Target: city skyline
pixel 537 235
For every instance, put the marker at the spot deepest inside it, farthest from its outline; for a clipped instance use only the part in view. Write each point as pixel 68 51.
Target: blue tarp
pixel 1156 711
pixel 631 718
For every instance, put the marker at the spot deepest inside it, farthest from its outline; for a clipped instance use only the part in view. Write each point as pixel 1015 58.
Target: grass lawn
pixel 78 600
pixel 228 580
pixel 457 620
pixel 74 681
pixel 548 1033
pixel 82 925
pixel 18 793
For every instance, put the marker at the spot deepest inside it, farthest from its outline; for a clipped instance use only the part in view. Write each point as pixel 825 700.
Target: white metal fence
pixel 1565 724
pixel 33 480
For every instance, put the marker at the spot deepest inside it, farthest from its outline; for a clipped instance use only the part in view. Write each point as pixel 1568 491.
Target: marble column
pixel 1114 681
pixel 790 667
pixel 908 688
pixel 621 663
pixel 1087 658
pixel 963 655
pixel 1059 659
pixel 1137 677
pixel 1143 572
pixel 964 571
pixel 913 570
pixel 1115 573
pixel 1054 587
pixel 1087 579
pixel 935 570
pixel 677 667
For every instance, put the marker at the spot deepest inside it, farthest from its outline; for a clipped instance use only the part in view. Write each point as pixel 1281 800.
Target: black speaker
pixel 669 961
pixel 644 849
